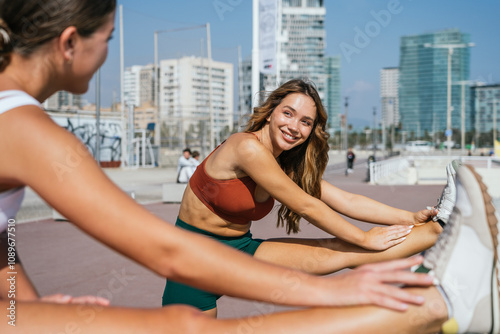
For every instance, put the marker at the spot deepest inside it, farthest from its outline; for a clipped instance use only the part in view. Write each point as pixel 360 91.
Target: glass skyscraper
pixel 423 82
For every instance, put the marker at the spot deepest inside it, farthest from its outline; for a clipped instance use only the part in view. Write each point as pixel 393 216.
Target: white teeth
pixel 288 136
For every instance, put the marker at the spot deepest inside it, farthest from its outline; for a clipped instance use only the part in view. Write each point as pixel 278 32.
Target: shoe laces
pixel 436 252
pixel 446 191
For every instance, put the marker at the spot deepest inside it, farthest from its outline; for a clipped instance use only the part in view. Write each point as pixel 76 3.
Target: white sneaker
pixel 464 259
pixel 447 200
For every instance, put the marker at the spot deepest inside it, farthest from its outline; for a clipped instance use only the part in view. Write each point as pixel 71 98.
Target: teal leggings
pixel 177 293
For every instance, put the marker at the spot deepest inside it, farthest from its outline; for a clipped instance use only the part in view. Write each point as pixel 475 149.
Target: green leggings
pixel 177 293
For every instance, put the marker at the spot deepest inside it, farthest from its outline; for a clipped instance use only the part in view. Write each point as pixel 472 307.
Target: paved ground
pixel 60 258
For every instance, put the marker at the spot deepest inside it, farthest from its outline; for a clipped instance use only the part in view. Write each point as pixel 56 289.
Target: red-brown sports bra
pixel 232 200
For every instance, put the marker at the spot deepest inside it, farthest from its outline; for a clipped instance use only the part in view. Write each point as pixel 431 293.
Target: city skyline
pixel 366 34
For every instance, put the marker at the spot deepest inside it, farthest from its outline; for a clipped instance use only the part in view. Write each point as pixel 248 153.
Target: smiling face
pixel 291 122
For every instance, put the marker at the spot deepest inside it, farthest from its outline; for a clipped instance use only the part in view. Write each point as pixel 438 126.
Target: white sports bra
pixel 10 200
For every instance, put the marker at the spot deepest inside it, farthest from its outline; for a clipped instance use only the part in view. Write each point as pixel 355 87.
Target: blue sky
pixel 231 26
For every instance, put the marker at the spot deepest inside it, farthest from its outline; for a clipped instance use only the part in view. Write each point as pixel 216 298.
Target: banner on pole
pixel 267 35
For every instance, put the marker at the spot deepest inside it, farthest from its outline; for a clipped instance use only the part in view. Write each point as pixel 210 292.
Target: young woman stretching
pixel 46 46
pixel 282 155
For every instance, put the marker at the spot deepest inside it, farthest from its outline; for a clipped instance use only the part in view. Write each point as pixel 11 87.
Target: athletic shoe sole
pixel 492 224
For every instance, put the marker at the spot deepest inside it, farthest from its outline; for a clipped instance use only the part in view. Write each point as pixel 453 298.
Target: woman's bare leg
pixel 54 318
pixel 324 256
pixel 427 318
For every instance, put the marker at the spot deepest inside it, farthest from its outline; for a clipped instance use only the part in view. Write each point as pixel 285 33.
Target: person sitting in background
pixel 184 166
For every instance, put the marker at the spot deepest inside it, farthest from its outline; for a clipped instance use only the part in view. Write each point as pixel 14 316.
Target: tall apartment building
pixel 302 42
pixel 423 79
pixel 485 101
pixel 138 85
pixel 333 100
pixel 389 81
pixel 63 100
pixel 184 95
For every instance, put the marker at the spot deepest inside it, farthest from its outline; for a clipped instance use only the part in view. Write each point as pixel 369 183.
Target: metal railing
pixel 381 169
pixel 482 162
pixel 385 168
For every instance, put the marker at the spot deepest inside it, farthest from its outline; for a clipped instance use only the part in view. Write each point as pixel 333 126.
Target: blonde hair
pixel 306 163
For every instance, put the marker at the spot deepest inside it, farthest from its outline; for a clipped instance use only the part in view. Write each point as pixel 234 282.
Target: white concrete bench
pixel 172 192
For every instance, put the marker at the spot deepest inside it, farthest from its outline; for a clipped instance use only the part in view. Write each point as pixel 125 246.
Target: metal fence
pixel 385 168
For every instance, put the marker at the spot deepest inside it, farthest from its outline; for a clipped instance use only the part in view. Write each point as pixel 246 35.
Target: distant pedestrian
pixel 350 160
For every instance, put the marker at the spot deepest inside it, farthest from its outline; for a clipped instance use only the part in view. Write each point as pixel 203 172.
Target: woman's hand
pixel 424 216
pixel 374 284
pixel 381 238
pixel 67 299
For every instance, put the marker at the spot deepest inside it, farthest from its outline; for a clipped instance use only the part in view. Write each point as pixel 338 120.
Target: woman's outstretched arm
pixel 257 162
pixel 368 210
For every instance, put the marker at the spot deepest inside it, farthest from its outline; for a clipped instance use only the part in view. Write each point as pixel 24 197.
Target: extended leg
pixel 51 318
pixel 324 256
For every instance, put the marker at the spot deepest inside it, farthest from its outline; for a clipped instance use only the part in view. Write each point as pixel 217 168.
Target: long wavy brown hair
pixel 306 163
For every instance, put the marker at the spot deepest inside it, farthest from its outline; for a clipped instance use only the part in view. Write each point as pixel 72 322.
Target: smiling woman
pixel 297 160
pixel 282 155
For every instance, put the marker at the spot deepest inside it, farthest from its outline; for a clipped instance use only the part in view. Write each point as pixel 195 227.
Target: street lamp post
pixel 374 132
pixel 98 116
pixel 346 133
pixel 450 48
pixel 463 83
pixel 494 122
pixel 155 94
